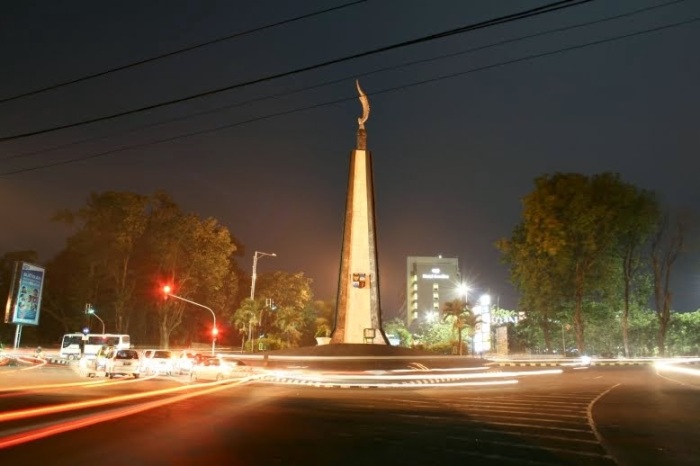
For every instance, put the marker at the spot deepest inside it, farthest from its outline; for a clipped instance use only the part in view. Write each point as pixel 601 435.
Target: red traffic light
pixel 215 331
pixel 167 289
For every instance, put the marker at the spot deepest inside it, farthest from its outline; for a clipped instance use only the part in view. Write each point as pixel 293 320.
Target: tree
pixel 542 284
pixel 191 254
pixel 684 333
pixel 243 319
pixel 112 224
pixel 290 322
pixel 561 253
pixel 397 327
pixel 639 214
pixel 290 293
pixel 666 246
pixel 462 317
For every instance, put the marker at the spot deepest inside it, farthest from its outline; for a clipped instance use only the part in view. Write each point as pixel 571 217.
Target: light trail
pixel 66 426
pixel 671 365
pixel 58 386
pixel 24 360
pixel 435 369
pixel 321 376
pixel 344 380
pixel 62 408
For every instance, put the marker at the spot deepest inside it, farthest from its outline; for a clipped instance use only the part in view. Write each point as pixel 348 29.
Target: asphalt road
pixel 594 416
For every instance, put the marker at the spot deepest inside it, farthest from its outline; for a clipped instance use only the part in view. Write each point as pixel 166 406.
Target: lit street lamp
pixel 464 290
pixel 255 268
pixel 214 331
pixel 92 312
pixel 252 291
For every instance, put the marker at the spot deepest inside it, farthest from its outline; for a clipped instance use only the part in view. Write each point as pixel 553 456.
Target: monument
pixel 358 311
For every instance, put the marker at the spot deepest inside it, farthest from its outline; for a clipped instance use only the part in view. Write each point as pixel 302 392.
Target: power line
pixel 334 102
pixel 179 51
pixel 559 5
pixel 348 77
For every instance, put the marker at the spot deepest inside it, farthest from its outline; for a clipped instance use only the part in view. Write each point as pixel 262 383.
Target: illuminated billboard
pixel 24 301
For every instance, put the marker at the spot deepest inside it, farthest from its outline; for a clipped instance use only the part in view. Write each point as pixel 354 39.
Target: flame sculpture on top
pixel 365 106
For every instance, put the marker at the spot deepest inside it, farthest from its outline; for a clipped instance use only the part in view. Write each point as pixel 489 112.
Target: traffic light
pixel 215 331
pixel 270 304
pixel 167 289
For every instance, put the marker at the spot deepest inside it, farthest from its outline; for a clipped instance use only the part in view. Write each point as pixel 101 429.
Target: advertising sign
pixel 25 296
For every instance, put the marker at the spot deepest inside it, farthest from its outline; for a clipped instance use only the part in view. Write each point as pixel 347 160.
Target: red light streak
pixel 67 426
pixel 62 408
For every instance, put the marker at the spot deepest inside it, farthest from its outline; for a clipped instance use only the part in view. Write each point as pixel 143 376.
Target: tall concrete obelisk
pixel 358 313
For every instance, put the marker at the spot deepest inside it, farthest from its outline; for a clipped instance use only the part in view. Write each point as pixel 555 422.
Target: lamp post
pixel 255 268
pixel 464 290
pixel 252 292
pixel 92 312
pixel 215 331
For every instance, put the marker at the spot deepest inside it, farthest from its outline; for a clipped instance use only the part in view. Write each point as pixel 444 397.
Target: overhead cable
pixel 559 5
pixel 334 102
pixel 177 52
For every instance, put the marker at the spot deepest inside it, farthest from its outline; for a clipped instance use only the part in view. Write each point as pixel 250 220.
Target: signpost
pixel 24 299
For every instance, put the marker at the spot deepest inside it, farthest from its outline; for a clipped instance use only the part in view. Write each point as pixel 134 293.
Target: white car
pixel 219 368
pixel 186 361
pixel 158 361
pixel 90 366
pixel 123 362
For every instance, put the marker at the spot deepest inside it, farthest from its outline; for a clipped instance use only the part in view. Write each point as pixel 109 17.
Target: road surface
pixel 588 416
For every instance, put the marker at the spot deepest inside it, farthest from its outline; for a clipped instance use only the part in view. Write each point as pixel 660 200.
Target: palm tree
pixel 243 319
pixel 463 317
pixel 290 322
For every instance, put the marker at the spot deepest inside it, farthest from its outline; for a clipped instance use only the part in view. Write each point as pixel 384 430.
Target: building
pixel 430 283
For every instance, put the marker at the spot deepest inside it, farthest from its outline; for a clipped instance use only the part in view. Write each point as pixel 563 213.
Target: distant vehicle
pixel 219 368
pixel 158 361
pixel 91 366
pixel 186 360
pixel 91 343
pixel 122 362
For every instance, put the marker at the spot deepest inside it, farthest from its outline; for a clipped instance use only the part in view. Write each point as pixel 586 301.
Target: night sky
pixel 456 141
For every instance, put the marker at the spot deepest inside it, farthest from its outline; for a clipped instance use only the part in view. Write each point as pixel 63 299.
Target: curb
pixel 568 364
pixel 59 362
pixel 313 383
pixel 527 364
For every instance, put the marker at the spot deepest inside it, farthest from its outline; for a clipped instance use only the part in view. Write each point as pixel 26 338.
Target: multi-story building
pixel 430 282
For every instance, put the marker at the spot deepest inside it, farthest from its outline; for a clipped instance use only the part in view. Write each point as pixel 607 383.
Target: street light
pixel 464 290
pixel 215 331
pixel 252 292
pixel 255 268
pixel 92 312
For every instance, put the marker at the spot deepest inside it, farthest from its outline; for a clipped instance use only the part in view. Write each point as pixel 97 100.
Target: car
pixel 158 361
pixel 123 362
pixel 145 360
pixel 186 360
pixel 91 365
pixel 219 368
